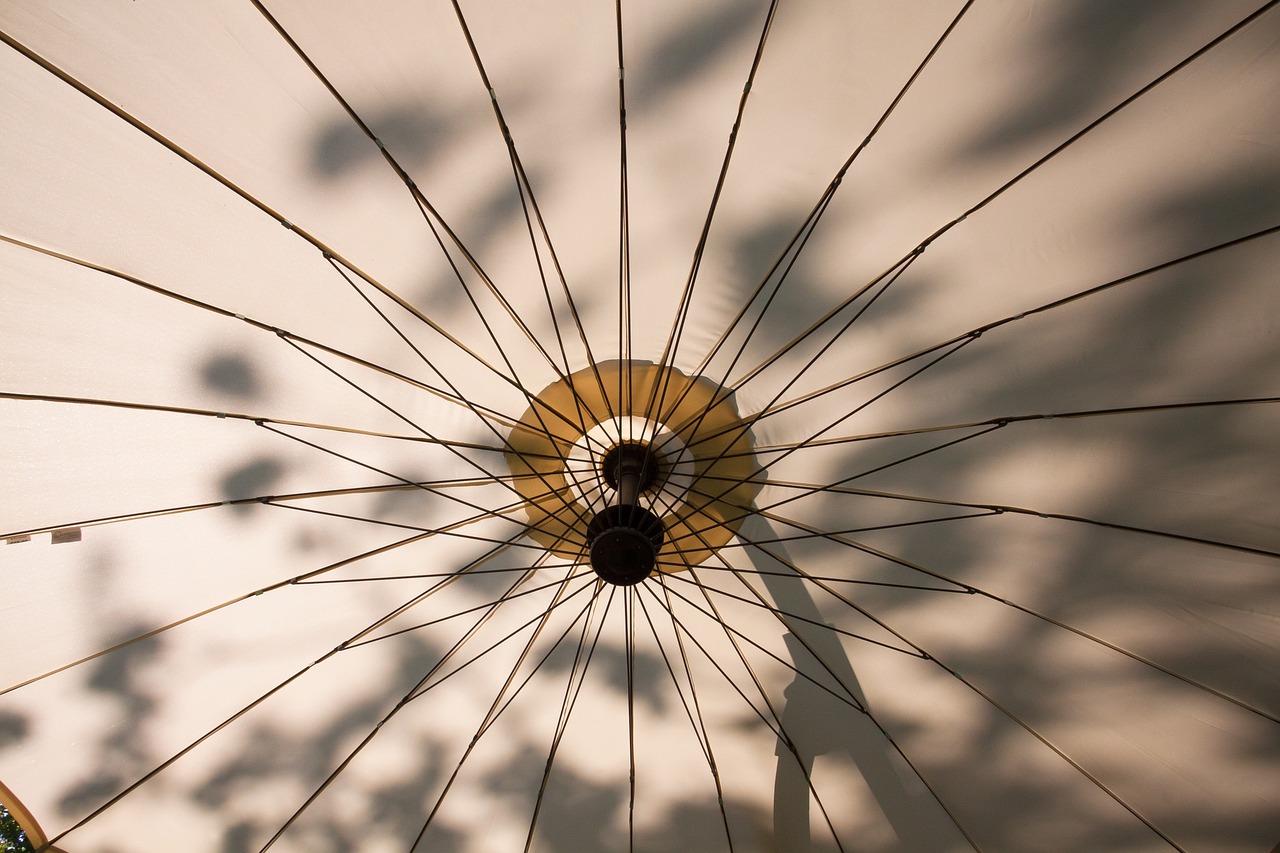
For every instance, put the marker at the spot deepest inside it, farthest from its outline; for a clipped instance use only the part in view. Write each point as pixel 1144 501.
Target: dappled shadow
pixel 1178 607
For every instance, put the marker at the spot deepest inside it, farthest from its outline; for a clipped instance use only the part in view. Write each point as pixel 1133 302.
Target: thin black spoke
pixel 744 426
pixel 928 656
pixel 761 603
pixel 142 515
pixel 924 244
pixel 1030 730
pixel 826 578
pixel 242 416
pixel 326 251
pixel 1007 419
pixel 590 584
pixel 860 705
pixel 573 688
pixel 490 415
pixel 405 481
pixel 536 409
pixel 430 575
pixel 694 714
pixel 974 333
pixel 747 511
pixel 456 613
pixel 776 725
pixel 262 697
pixel 359 747
pixel 450 530
pixel 800 537
pixel 895 268
pixel 801 237
pixel 473 463
pixel 529 203
pixel 976 590
pixel 628 605
pixel 137 638
pixel 498 706
pixel 838 488
pixel 672 346
pixel 422 686
pixel 624 234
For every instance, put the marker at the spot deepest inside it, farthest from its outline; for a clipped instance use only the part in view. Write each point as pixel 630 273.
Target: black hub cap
pixel 624 543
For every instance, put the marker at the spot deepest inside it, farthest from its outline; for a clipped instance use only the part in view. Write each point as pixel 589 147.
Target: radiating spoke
pixel 503 701
pixel 764 450
pixel 798 241
pixel 326 251
pixel 262 697
pixel 773 720
pixel 573 687
pixel 694 713
pixel 924 244
pixel 839 488
pixel 670 349
pixel 976 590
pixel 412 423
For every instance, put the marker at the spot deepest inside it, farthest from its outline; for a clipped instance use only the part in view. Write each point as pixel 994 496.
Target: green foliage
pixel 12 838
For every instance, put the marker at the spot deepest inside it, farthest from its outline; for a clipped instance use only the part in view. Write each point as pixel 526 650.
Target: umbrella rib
pixel 1048 306
pixel 624 241
pixel 326 251
pixel 628 605
pixel 456 613
pixel 1081 413
pixel 778 611
pixel 657 398
pixel 1015 718
pixel 962 340
pixel 506 638
pixel 699 725
pixel 528 201
pixel 261 698
pixel 801 237
pixel 494 712
pixel 777 727
pixel 298 579
pixel 800 537
pixel 699 734
pixel 509 447
pixel 751 478
pixel 861 706
pixel 431 575
pixel 413 692
pixel 242 416
pixel 924 244
pixel 714 615
pixel 429 212
pixel 976 590
pixel 1098 783
pixel 536 405
pixel 407 482
pixel 490 414
pixel 742 427
pixel 999 508
pixel 568 702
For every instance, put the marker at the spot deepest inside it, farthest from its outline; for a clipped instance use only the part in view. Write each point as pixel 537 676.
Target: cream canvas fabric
pixel 987 290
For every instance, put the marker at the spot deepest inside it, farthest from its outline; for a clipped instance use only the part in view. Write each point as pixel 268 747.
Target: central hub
pixel 609 478
pixel 625 538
